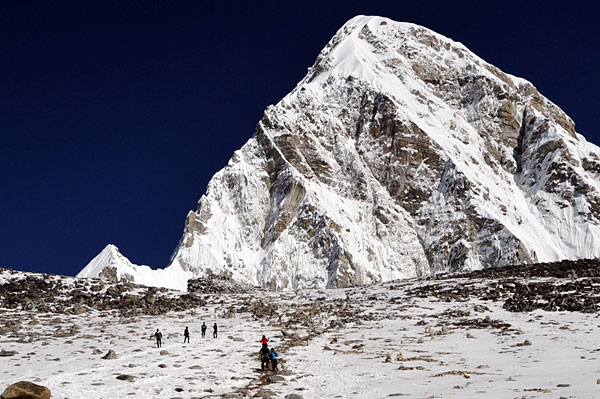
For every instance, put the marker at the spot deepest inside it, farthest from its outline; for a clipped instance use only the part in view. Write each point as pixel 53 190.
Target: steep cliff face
pixel 400 154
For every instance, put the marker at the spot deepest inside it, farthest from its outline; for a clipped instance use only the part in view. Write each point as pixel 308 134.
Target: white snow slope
pixel 400 154
pixel 431 353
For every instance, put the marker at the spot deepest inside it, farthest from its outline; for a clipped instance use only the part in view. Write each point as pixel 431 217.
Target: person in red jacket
pixel 264 341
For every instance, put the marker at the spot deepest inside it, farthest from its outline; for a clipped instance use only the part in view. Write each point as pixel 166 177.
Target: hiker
pixel 186 335
pixel 264 357
pixel 158 336
pixel 264 341
pixel 203 329
pixel 273 356
pixel 215 330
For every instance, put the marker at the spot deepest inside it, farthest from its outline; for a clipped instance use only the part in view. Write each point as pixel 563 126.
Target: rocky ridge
pixel 558 286
pixel 63 295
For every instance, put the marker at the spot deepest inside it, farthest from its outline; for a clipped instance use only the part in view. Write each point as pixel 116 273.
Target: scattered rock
pixel 79 309
pixel 512 285
pixel 524 343
pixel 275 378
pixel 214 285
pixel 25 390
pixel 126 377
pixel 264 394
pixel 110 355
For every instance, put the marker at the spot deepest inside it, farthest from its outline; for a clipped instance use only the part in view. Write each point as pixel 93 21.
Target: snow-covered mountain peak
pixel 401 153
pixel 371 49
pixel 112 265
pixel 110 256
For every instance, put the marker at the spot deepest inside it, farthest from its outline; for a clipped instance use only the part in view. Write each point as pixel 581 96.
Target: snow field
pixel 369 342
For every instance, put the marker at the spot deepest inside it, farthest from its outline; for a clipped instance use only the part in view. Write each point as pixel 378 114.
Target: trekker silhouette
pixel 264 341
pixel 264 357
pixel 203 329
pixel 215 330
pixel 158 336
pixel 273 356
pixel 186 335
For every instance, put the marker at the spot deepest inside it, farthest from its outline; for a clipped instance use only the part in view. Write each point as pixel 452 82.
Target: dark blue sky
pixel 115 115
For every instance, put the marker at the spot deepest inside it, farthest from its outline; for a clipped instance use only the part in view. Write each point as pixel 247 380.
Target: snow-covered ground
pixel 368 342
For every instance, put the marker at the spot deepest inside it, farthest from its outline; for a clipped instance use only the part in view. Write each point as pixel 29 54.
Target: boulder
pixel 274 379
pixel 264 394
pixel 79 309
pixel 25 390
pixel 110 355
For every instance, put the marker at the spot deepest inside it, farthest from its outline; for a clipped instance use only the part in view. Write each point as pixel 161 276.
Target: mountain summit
pixel 400 154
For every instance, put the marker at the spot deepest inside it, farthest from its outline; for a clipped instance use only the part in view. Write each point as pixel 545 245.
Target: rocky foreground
pixel 522 332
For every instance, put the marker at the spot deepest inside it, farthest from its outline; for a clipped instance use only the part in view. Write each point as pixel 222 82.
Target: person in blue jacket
pixel 273 356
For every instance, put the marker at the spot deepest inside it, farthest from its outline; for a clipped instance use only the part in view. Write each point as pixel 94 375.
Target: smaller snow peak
pixel 110 264
pixel 110 256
